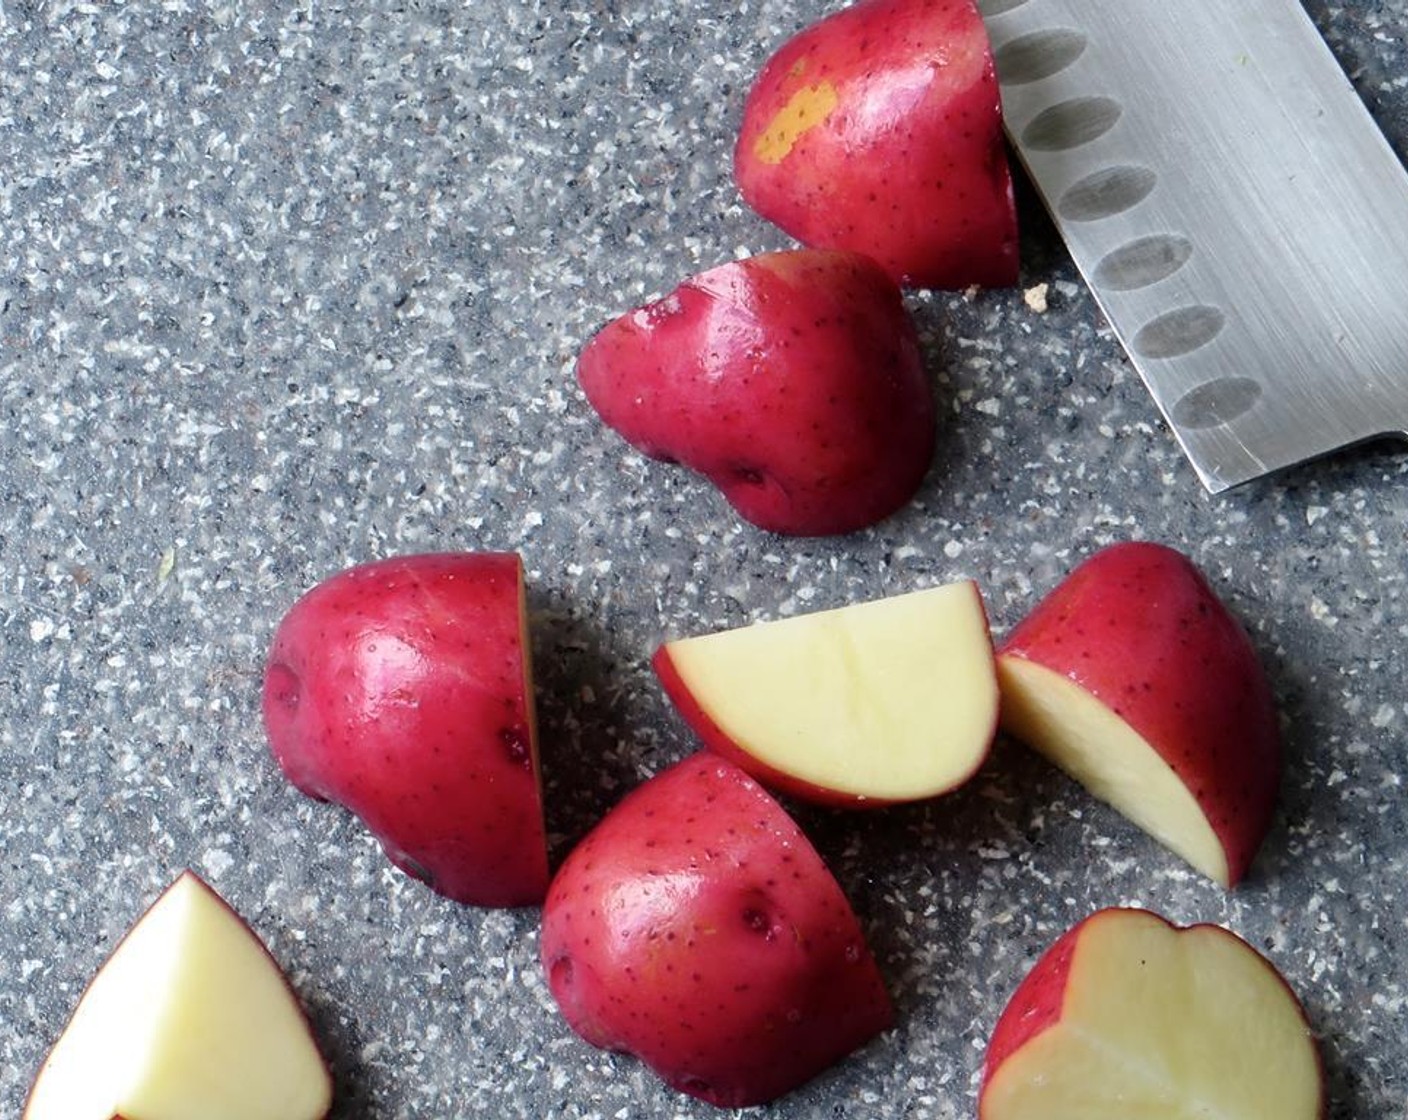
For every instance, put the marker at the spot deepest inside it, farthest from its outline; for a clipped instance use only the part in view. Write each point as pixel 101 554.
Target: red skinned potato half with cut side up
pixel 402 689
pixel 697 928
pixel 1129 1016
pixel 879 130
pixel 1135 678
pixel 793 381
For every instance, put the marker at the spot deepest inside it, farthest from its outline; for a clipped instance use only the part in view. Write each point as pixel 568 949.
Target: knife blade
pixel 1238 214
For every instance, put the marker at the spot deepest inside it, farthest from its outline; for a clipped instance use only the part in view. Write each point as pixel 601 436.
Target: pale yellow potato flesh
pixel 1164 1024
pixel 891 699
pixel 1081 735
pixel 190 1017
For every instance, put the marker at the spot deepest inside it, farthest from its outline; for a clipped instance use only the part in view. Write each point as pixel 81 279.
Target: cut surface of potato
pixel 1097 748
pixel 1157 1022
pixel 889 700
pixel 190 1017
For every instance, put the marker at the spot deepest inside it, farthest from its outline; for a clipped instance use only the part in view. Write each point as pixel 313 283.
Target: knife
pixel 1239 216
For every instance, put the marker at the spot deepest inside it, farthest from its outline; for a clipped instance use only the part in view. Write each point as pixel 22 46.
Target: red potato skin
pixel 879 129
pixel 399 689
pixel 1036 1004
pixel 793 381
pixel 696 928
pixel 1138 626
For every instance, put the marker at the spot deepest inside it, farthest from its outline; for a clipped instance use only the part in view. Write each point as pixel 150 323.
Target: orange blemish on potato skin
pixel 805 109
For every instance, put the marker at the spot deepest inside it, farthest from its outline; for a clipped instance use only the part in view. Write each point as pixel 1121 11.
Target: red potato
pixel 697 928
pixel 793 381
pixel 189 1016
pixel 879 129
pixel 868 704
pixel 1135 678
pixel 1128 1015
pixel 402 689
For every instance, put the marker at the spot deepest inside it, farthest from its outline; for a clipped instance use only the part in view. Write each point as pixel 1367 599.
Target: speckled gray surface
pixel 285 287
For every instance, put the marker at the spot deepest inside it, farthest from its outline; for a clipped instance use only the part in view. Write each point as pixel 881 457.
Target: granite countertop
pixel 286 287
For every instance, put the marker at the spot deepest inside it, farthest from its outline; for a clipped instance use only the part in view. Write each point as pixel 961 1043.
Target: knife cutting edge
pixel 1235 209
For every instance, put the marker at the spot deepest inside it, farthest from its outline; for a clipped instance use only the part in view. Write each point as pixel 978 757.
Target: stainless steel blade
pixel 1240 217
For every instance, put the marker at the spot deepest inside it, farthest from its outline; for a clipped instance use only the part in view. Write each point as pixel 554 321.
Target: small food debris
pixel 1035 298
pixel 167 565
